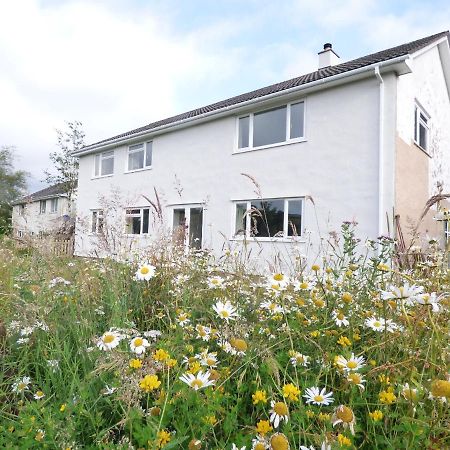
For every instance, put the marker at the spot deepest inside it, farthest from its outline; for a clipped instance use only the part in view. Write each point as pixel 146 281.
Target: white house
pixel 363 140
pixel 42 212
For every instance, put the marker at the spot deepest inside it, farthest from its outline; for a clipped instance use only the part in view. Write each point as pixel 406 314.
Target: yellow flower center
pixel 340 316
pixel 239 344
pixel 352 364
pixel 210 361
pixel 281 408
pixel 39 394
pixel 279 442
pixel 318 398
pixel 215 281
pixel 278 277
pixel 345 414
pixel 225 314
pixel 319 303
pixel 410 394
pixel 108 338
pixel 197 383
pixel 377 324
pixel 259 446
pixel 440 388
pixel 303 285
pixel 145 270
pixel 354 378
pixel 138 342
pixel 21 386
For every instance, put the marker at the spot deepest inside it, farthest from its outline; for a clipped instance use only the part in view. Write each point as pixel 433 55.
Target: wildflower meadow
pixel 191 351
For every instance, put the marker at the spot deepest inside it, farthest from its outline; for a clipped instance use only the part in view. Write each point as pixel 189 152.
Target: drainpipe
pixel 380 154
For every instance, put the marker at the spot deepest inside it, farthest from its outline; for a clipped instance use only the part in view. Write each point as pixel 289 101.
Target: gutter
pixel 380 152
pixel 226 110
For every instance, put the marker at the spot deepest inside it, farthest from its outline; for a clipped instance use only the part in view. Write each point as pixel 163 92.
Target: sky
pixel 117 65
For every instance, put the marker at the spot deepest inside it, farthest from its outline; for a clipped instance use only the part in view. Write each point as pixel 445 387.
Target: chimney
pixel 327 57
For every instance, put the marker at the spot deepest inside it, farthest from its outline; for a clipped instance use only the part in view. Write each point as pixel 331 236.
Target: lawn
pixel 182 351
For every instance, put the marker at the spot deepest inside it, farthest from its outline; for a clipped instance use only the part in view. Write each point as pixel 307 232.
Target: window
pixel 421 127
pixel 42 206
pixel 21 210
pixel 140 156
pixel 20 233
pixel 447 231
pixel 187 226
pixel 283 124
pixel 53 205
pixel 137 220
pixel 97 221
pixel 271 218
pixel 104 164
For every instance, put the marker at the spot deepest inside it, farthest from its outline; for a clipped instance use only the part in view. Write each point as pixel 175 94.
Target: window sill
pixel 289 240
pixel 422 149
pixel 102 176
pixel 264 147
pixel 139 170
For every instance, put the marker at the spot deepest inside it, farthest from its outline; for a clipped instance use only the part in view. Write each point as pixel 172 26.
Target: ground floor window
pixel 447 231
pixel 97 221
pixel 188 225
pixel 137 220
pixel 269 218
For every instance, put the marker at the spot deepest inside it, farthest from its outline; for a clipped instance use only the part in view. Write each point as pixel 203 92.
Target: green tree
pixel 12 186
pixel 64 163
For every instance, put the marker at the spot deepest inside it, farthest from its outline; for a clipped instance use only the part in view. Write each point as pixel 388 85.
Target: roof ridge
pixel 383 55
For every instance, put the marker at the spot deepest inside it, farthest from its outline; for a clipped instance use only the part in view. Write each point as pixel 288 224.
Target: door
pixel 188 226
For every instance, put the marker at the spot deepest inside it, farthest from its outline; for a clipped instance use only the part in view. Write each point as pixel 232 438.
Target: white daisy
pixel 278 413
pixel 313 395
pixel 145 272
pixel 306 285
pixel 138 345
pixel 406 293
pixel 376 324
pixel 207 359
pixel 356 379
pixel 340 319
pixel 216 283
pixel 109 340
pixel 279 279
pixel 199 381
pixel 272 307
pixel 354 363
pixel 183 319
pixel 345 416
pixel 38 395
pixel 203 333
pixel 432 300
pixel 21 386
pixel 259 443
pixel 225 310
pixel 152 334
pixel 298 359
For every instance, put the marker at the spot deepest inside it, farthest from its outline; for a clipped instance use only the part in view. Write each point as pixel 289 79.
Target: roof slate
pixel 384 55
pixel 57 190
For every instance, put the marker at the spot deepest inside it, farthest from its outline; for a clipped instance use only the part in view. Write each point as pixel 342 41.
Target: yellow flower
pixel 440 388
pixel 195 367
pixel 263 427
pixel 135 363
pixel 259 396
pixel 344 341
pixel 324 417
pixel 315 333
pixel 344 441
pixel 149 383
pixel 62 408
pixel 384 379
pixel 315 267
pixel 161 355
pixel 279 441
pixel 40 435
pixel 291 392
pixel 387 397
pixel 356 337
pixel 310 414
pixel 210 420
pixel 171 362
pixel 372 362
pixel 163 438
pixel 376 415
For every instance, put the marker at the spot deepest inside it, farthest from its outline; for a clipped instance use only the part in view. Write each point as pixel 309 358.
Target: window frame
pixel 54 201
pixel 145 150
pixel 42 206
pixel 141 216
pixel 100 157
pixel 99 218
pixel 187 207
pixel 285 237
pixel 446 232
pixel 287 141
pixel 418 122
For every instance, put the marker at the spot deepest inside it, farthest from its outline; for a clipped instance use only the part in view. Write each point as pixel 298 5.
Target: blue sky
pixel 119 64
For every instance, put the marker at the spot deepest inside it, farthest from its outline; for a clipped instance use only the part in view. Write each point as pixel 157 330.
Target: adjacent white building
pixel 281 167
pixel 44 212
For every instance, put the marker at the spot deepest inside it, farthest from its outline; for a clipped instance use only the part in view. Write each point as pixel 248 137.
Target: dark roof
pixel 384 55
pixel 57 190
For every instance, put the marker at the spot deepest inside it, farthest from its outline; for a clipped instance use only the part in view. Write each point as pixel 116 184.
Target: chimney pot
pixel 327 46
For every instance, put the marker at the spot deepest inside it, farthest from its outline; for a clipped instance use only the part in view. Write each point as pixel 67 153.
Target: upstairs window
pixel 283 124
pixel 137 220
pixel 53 205
pixel 421 127
pixel 97 221
pixel 42 206
pixel 104 164
pixel 140 156
pixel 271 218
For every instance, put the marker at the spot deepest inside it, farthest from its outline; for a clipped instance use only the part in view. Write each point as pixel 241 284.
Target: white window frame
pixel 99 216
pixel 145 150
pixel 98 158
pixel 42 206
pixel 288 139
pixel 418 121
pixel 285 237
pixel 54 205
pixel 446 231
pixel 187 214
pixel 141 215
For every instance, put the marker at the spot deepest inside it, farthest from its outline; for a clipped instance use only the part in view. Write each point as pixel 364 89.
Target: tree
pixel 12 186
pixel 64 163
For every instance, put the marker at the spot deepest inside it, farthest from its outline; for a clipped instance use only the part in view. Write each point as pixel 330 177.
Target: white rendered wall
pixel 337 167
